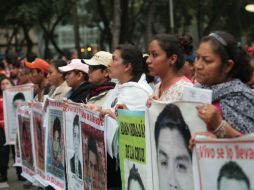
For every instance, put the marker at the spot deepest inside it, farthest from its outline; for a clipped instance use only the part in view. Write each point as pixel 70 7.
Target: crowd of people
pixel 127 79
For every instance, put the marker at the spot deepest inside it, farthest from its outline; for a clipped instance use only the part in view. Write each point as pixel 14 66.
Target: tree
pixel 116 23
pixel 50 14
pixel 76 27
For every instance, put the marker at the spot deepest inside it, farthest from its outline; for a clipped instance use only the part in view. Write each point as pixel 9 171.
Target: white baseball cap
pixel 100 58
pixel 75 64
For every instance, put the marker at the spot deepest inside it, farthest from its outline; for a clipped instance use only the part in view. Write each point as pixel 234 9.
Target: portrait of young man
pixel 56 144
pixel 93 163
pixel 134 180
pixel 232 177
pixel 75 162
pixel 27 144
pixel 17 99
pixel 174 160
pixel 40 141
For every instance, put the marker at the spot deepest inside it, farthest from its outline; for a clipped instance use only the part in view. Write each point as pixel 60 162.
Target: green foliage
pixel 201 16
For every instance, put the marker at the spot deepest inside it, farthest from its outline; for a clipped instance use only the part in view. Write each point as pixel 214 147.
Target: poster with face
pixel 135 154
pixel 17 150
pixel 73 149
pixel 171 126
pixel 25 134
pixel 93 148
pixel 12 97
pixel 39 131
pixel 55 169
pixel 224 164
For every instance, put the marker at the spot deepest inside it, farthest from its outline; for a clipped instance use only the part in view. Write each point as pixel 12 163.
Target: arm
pixel 214 121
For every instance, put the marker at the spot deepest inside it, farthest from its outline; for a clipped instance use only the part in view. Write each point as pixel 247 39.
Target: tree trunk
pixel 198 17
pixel 116 23
pixel 124 21
pixel 29 43
pixel 46 49
pixel 106 23
pixel 9 41
pixel 76 27
pixel 149 22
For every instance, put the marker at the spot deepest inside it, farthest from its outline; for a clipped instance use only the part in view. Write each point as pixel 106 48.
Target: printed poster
pixel 94 151
pixel 73 142
pixel 224 164
pixel 135 154
pixel 39 131
pixel 25 134
pixel 55 169
pixel 18 160
pixel 171 126
pixel 12 97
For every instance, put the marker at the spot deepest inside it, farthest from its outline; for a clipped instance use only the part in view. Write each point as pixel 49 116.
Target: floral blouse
pixel 174 91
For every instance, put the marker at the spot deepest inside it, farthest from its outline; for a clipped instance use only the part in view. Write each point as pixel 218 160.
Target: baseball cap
pixel 100 58
pixel 75 64
pixel 38 64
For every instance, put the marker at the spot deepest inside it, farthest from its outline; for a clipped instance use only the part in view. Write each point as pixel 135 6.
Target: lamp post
pixel 249 7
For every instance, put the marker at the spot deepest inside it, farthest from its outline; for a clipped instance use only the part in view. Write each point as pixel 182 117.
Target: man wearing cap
pixel 39 70
pixel 77 78
pixel 98 76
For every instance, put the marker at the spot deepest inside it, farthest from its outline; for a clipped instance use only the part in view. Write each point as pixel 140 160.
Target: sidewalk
pixel 13 181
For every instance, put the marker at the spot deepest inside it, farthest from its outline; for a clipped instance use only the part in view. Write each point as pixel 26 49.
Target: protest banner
pixel 12 96
pixel 25 134
pixel 55 169
pixel 171 126
pixel 135 154
pixel 224 164
pixel 39 131
pixel 110 130
pixel 73 146
pixel 94 151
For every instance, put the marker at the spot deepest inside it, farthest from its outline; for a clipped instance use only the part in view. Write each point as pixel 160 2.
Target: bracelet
pixel 220 130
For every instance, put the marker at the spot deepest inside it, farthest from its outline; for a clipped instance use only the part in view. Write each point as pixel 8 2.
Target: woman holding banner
pixel 222 66
pixel 131 93
pixel 133 89
pixel 166 60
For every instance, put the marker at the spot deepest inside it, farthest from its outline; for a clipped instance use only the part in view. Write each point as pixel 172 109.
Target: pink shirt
pixel 174 91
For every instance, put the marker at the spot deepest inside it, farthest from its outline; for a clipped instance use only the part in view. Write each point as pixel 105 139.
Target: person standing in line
pixel 131 93
pixel 166 60
pixel 99 77
pixel 57 80
pixel 39 70
pixel 224 67
pixel 76 75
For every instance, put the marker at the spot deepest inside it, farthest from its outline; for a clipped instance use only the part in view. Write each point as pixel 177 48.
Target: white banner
pixel 73 148
pixel 55 169
pixel 94 151
pixel 224 164
pixel 171 126
pixel 12 97
pixel 26 142
pixel 39 131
